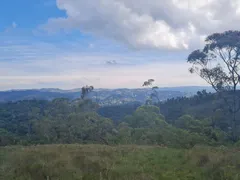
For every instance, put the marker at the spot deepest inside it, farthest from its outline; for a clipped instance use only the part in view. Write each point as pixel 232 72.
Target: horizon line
pixel 164 87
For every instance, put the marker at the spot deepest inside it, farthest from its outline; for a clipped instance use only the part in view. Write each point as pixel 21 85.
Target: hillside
pixel 102 96
pixel 94 162
pixel 63 121
pixel 62 139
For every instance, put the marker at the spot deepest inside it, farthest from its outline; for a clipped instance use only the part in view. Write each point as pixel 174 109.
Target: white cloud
pixel 162 24
pixel 34 64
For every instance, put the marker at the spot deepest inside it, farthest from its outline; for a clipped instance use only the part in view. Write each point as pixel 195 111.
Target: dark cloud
pixel 111 62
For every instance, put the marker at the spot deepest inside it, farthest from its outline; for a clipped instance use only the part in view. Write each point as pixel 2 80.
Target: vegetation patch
pixel 75 162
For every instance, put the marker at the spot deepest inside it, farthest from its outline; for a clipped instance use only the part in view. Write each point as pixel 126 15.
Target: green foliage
pixel 147 126
pixel 145 116
pixel 237 144
pixel 223 75
pixel 62 121
pixel 201 106
pixel 7 138
pixel 57 121
pixel 201 127
pixel 118 112
pixel 65 121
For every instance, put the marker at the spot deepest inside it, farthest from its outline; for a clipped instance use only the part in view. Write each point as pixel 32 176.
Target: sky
pixel 106 43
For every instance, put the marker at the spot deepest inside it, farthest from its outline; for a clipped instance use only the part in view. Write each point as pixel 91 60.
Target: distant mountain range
pixel 102 96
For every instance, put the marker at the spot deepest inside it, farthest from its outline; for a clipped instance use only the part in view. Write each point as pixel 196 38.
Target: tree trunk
pixel 234 135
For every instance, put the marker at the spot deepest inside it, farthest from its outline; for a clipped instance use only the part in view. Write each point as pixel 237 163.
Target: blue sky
pixel 108 43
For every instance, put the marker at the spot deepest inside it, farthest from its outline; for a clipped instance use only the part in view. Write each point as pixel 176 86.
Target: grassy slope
pixel 76 162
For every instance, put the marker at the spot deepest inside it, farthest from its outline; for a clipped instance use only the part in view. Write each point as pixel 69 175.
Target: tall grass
pixel 98 162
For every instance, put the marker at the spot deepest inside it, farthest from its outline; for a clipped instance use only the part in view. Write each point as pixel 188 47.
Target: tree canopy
pixel 218 64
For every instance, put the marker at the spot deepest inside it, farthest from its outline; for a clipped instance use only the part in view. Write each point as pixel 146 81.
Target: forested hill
pixel 64 121
pixel 102 96
pixel 202 105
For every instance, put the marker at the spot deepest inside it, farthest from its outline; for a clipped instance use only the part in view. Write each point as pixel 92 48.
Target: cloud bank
pixel 30 68
pixel 115 77
pixel 161 24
